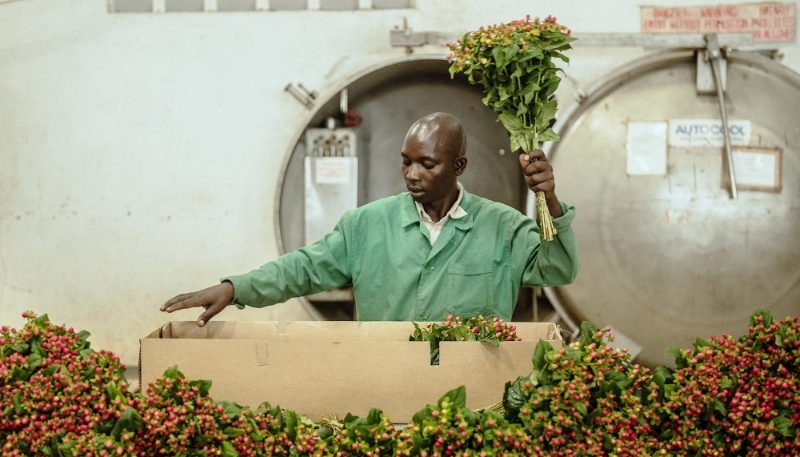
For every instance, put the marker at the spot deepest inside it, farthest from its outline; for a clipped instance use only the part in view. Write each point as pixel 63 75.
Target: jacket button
pixel 428 267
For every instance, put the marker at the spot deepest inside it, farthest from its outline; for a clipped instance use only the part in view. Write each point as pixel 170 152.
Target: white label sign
pixel 647 148
pixel 755 169
pixel 333 170
pixel 688 133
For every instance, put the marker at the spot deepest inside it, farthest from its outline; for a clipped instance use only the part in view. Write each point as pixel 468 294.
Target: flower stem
pixel 543 218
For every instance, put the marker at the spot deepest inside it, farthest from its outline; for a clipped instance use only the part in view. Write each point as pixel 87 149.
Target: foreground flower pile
pixel 725 397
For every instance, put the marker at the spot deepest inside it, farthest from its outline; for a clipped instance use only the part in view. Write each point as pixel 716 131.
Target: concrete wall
pixel 140 153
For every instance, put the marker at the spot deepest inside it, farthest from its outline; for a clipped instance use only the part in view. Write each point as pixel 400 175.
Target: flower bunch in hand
pixel 515 63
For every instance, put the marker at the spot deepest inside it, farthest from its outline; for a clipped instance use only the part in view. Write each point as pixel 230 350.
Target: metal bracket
pixel 303 95
pixel 408 38
pixel 706 84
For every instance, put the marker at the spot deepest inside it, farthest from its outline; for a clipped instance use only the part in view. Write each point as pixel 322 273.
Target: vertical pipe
pixel 714 55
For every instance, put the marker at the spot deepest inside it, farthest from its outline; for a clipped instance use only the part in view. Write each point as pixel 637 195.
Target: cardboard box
pixel 322 368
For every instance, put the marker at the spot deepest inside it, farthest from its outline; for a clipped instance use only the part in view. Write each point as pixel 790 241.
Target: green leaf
pixel 421 415
pixel 228 450
pixel 499 56
pixel 661 375
pixel 130 421
pixel 113 391
pixel 511 51
pixel 512 123
pixel 725 383
pixel 36 347
pixel 21 348
pixel 513 399
pixel 504 93
pixel 549 135
pixel 542 348
pixel 233 410
pixel 560 56
pixel 548 112
pixel 34 361
pixel 173 373
pixel 700 343
pixel 17 401
pixel 418 441
pixel 203 385
pixel 324 433
pixel 784 426
pixel 619 381
pixel 84 335
pixel 232 432
pixel 374 416
pixel 435 356
pixel 680 356
pixel 580 407
pixel 553 85
pixel 765 314
pixel 292 420
pixel 588 334
pixel 453 70
pixel 589 419
pixel 532 52
pixel 716 405
pixel 457 397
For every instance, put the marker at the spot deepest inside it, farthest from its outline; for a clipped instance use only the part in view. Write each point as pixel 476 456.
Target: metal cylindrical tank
pixel 669 258
pixel 389 98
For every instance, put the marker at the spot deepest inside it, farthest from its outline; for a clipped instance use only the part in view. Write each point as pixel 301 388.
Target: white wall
pixel 139 153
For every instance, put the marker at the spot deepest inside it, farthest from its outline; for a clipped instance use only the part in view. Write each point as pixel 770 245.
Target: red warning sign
pixel 766 21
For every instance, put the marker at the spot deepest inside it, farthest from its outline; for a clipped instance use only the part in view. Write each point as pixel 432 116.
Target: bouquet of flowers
pixel 514 63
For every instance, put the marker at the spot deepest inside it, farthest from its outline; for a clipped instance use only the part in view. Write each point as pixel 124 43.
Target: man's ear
pixel 461 165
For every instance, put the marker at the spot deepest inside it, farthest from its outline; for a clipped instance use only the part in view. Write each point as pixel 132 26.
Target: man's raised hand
pixel 539 178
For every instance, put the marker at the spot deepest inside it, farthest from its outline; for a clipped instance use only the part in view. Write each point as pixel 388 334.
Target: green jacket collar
pixel 410 216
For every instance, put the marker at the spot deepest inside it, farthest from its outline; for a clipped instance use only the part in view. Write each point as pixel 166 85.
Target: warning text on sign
pixel 772 22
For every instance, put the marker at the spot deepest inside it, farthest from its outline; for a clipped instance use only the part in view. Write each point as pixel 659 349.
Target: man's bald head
pixel 444 129
pixel 433 158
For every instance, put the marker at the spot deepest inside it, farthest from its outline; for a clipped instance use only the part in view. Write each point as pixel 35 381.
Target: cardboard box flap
pixel 533 331
pixel 346 331
pixel 220 330
pixel 321 331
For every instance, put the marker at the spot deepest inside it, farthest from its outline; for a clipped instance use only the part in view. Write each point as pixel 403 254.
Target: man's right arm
pixel 308 270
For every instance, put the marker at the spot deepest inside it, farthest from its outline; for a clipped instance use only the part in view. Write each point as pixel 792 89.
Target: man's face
pixel 429 167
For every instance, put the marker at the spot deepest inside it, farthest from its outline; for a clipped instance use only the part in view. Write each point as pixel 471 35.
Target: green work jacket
pixel 475 267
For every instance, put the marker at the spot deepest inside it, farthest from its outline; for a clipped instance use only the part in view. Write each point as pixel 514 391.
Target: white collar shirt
pixel 435 228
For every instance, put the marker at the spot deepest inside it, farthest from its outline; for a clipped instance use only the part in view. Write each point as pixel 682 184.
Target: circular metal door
pixel 389 99
pixel 669 258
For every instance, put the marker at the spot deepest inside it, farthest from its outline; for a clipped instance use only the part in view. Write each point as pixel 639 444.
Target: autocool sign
pixel 707 132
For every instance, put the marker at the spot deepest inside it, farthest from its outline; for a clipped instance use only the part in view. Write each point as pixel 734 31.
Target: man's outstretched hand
pixel 214 299
pixel 539 178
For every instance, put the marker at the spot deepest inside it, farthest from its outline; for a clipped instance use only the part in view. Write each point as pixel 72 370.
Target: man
pixel 423 254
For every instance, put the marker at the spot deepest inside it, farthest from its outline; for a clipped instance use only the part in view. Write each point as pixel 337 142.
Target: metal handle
pixel 714 54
